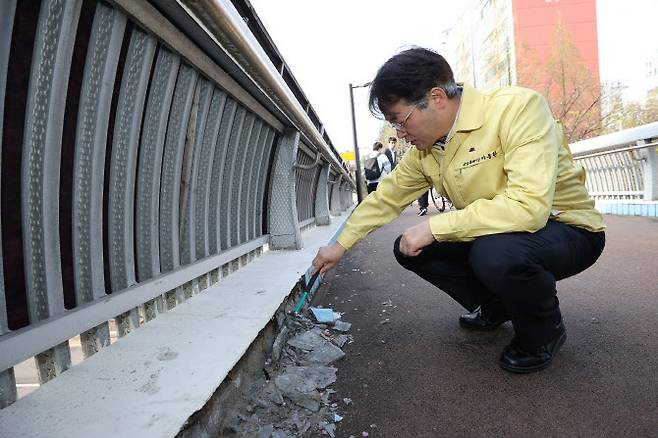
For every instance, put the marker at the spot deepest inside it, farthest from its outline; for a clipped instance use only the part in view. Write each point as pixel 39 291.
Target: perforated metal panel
pixel 226 219
pixel 246 175
pixel 263 176
pixel 150 164
pixel 283 223
pixel 322 196
pixel 91 136
pixel 40 175
pixel 41 156
pixel 123 168
pixel 204 166
pixel 172 168
pixel 236 181
pixel 336 207
pixel 306 178
pixel 189 191
pixel 256 173
pixel 216 209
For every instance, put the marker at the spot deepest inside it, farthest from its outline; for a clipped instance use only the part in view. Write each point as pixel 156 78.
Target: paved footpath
pixel 421 375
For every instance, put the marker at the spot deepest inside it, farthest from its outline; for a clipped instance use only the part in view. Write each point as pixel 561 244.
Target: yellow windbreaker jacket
pixel 506 168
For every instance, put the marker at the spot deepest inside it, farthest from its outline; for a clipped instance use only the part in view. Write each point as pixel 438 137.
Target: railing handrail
pixel 221 20
pixel 615 151
pixel 615 140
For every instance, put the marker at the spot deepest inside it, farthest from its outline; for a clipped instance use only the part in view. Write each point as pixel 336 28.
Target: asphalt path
pixel 413 372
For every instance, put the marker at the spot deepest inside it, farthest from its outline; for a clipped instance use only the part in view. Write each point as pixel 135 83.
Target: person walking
pixel 390 152
pixel 522 221
pixel 377 166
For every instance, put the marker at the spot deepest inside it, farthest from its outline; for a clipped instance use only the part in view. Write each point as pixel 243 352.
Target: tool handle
pixel 308 288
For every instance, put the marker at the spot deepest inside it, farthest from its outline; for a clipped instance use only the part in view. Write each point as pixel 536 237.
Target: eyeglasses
pixel 399 126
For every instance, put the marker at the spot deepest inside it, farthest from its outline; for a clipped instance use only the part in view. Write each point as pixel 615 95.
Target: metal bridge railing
pixel 142 160
pixel 621 166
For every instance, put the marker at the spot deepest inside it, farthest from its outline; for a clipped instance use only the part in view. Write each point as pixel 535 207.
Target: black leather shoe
pixel 516 360
pixel 479 320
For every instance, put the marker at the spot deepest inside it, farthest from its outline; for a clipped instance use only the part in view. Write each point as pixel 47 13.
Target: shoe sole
pixel 477 328
pixel 527 370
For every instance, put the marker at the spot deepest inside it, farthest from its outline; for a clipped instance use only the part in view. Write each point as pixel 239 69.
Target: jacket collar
pixel 471 115
pixel 470 118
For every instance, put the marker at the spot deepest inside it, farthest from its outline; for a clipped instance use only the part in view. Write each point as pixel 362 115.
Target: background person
pixel 390 151
pixel 383 167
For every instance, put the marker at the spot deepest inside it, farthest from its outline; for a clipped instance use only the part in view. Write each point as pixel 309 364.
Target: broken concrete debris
pixel 342 326
pixel 299 384
pixel 293 398
pixel 341 340
pixel 323 315
pixel 266 431
pixel 329 428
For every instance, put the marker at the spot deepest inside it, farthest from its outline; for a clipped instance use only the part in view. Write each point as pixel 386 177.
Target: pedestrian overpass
pixel 164 179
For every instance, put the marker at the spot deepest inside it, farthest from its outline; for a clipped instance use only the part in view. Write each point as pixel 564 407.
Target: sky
pixel 626 35
pixel 330 44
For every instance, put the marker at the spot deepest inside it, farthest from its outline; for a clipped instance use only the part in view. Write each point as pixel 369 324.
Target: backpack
pixel 372 169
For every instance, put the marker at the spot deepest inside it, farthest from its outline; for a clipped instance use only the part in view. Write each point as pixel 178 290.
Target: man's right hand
pixel 327 257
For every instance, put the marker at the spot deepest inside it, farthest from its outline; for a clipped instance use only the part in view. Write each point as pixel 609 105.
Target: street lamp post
pixel 357 158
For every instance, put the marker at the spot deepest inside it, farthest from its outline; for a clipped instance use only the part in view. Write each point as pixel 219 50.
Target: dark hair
pixel 409 75
pixel 377 146
pixel 393 139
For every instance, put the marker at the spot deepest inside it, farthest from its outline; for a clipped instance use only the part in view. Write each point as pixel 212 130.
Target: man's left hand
pixel 416 238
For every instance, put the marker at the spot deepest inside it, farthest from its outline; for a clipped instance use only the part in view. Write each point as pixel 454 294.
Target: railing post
pixel 283 222
pixel 650 172
pixel 336 208
pixel 322 198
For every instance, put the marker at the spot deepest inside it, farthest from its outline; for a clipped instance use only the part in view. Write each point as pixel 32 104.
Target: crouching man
pixel 523 218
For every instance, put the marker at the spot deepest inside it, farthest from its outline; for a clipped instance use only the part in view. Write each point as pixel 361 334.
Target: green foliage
pixel 624 115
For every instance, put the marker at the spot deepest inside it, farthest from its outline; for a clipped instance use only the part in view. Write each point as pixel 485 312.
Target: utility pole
pixel 357 157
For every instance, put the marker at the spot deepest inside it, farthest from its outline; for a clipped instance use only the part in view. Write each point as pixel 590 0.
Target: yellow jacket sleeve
pixel 395 192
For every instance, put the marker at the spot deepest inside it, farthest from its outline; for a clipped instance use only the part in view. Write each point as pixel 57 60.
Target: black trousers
pixel 512 272
pixel 423 201
pixel 371 187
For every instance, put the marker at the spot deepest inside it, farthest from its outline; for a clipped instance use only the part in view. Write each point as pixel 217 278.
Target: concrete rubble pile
pixel 293 399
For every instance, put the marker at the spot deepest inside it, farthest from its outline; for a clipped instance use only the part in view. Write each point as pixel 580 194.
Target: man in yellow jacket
pixel 523 218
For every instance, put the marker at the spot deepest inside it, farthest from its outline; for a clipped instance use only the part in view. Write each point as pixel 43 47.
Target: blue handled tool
pixel 308 288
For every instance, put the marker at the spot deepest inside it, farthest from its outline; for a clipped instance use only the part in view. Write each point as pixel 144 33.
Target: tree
pixel 624 115
pixel 613 109
pixel 573 92
pixel 650 110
